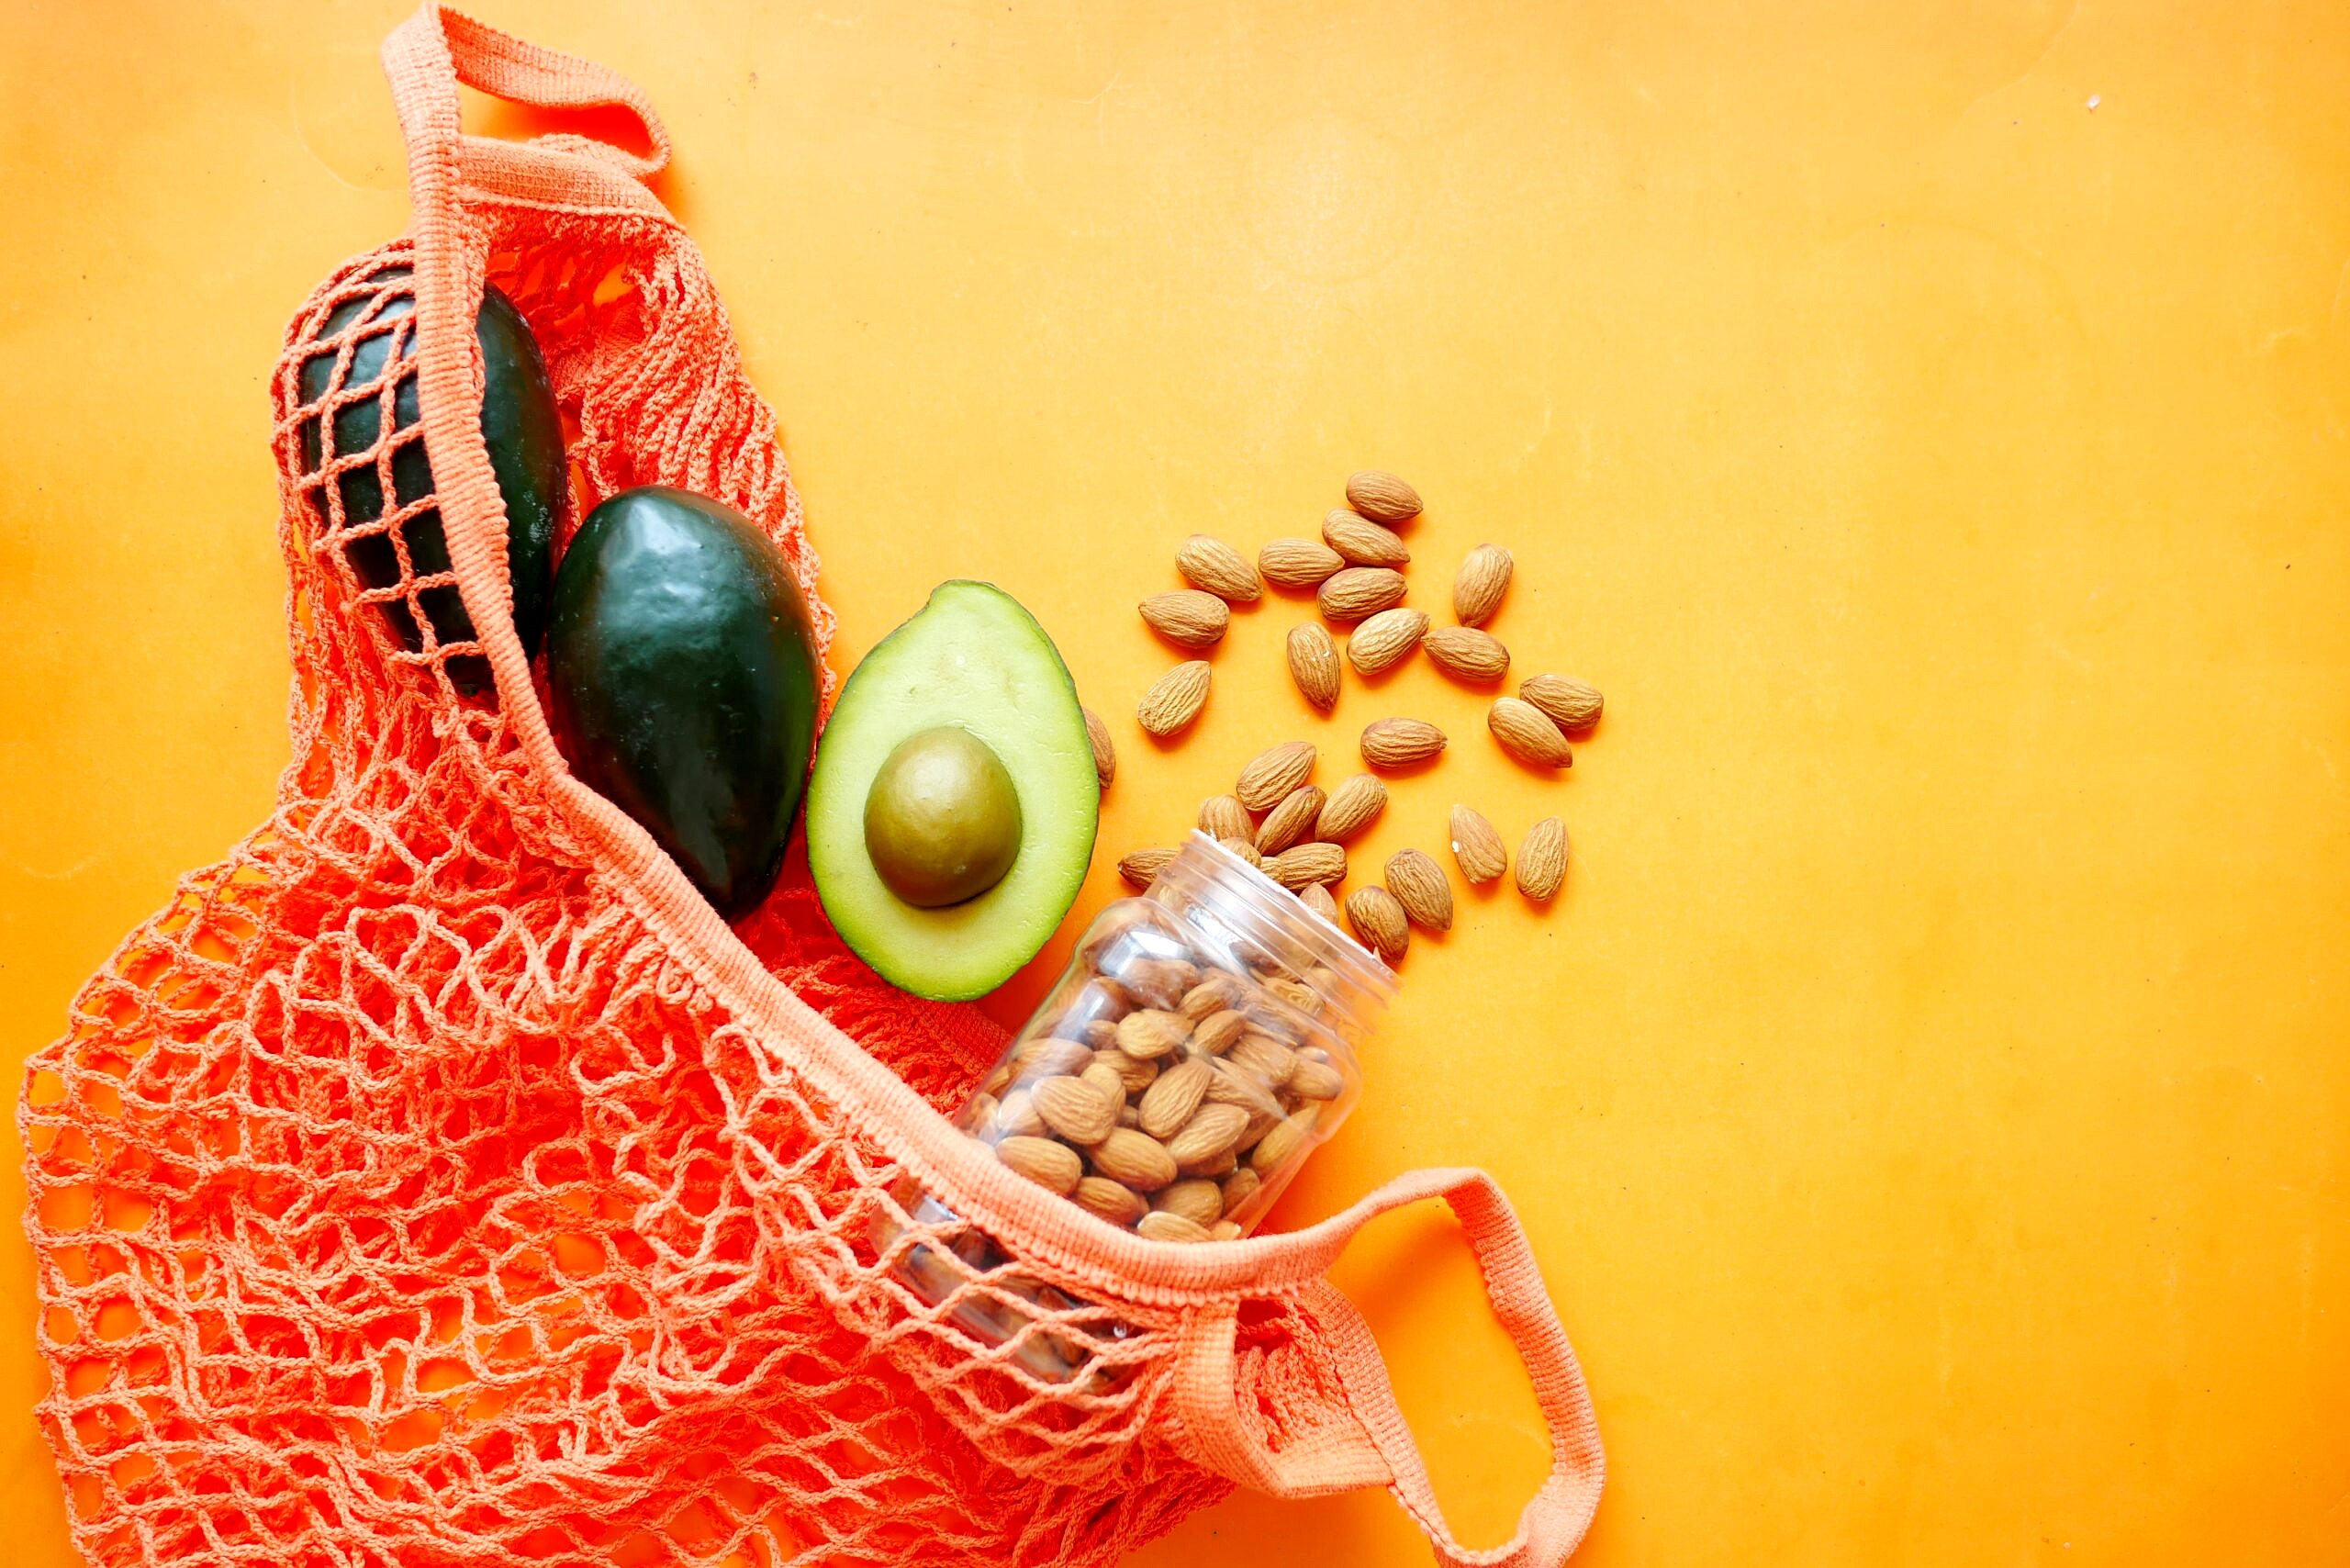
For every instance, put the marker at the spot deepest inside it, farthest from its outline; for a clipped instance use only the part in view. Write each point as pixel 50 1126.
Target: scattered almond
pixel 1273 773
pixel 1105 755
pixel 1294 868
pixel 1543 860
pixel 1142 866
pixel 1223 816
pixel 1188 618
pixel 1526 734
pixel 1379 922
pixel 1160 1226
pixel 1292 822
pixel 1572 704
pixel 1351 808
pixel 1478 586
pixel 1385 639
pixel 1382 497
pixel 1314 664
pixel 1316 897
pixel 1053 1166
pixel 1399 743
pixel 1466 654
pixel 1361 542
pixel 1418 884
pixel 1297 563
pixel 1174 699
pixel 1477 847
pixel 1358 591
pixel 1218 569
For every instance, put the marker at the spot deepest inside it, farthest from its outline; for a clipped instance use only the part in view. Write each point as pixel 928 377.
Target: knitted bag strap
pixel 1374 1445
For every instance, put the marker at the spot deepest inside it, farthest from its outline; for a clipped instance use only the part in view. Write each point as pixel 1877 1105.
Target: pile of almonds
pixel 1275 818
pixel 1163 1091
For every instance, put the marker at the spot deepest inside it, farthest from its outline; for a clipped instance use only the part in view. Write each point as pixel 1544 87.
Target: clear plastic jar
pixel 1199 1046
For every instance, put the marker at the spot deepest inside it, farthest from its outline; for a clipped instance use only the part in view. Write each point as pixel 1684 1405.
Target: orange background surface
pixel 1929 425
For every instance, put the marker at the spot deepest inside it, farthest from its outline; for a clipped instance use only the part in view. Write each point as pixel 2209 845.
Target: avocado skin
pixel 523 432
pixel 683 680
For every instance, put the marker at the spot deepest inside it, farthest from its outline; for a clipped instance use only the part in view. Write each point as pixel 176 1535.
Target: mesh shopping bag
pixel 438 1179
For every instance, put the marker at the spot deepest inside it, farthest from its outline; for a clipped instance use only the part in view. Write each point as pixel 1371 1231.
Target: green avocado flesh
pixel 972 660
pixel 519 425
pixel 941 823
pixel 682 683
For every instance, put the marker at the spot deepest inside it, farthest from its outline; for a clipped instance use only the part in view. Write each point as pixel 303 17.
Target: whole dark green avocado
pixel 519 425
pixel 682 682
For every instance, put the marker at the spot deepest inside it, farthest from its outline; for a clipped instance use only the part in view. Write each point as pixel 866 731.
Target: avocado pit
pixel 942 820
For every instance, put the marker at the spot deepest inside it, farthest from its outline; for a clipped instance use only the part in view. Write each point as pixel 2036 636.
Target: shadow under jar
pixel 1199 1046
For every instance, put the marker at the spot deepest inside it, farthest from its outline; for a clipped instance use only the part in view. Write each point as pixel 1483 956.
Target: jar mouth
pixel 1271 915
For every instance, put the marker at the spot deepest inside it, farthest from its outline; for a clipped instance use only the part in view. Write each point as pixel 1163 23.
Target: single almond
pixel 1379 922
pixel 1314 664
pixel 1285 1141
pixel 1216 567
pixel 1543 860
pixel 1075 1109
pixel 1195 1199
pixel 1151 1033
pixel 1316 897
pixel 1466 654
pixel 1572 704
pixel 1159 1225
pixel 1477 847
pixel 1168 1103
pixel 1053 1166
pixel 1159 984
pixel 1317 1080
pixel 1290 823
pixel 1385 639
pixel 1294 868
pixel 1107 1077
pixel 1399 743
pixel 1113 1201
pixel 1050 1056
pixel 1362 542
pixel 1297 563
pixel 1239 1187
pixel 1360 591
pixel 1134 1075
pixel 1217 1033
pixel 1218 993
pixel 1175 698
pixel 1271 774
pixel 1526 734
pixel 1142 866
pixel 1134 1157
pixel 1296 994
pixel 1418 884
pixel 1268 1058
pixel 1221 816
pixel 1016 1116
pixel 1105 755
pixel 1478 586
pixel 1225 1230
pixel 1245 850
pixel 1188 618
pixel 1230 1086
pixel 1382 497
pixel 1351 808
pixel 1212 1131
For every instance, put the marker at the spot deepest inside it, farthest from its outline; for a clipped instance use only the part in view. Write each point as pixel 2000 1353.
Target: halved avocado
pixel 971 660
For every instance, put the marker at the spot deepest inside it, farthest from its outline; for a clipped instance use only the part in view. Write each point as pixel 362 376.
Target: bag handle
pixel 430 54
pixel 1372 1443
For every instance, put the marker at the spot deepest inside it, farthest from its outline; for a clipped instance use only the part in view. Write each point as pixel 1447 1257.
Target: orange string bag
pixel 438 1180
